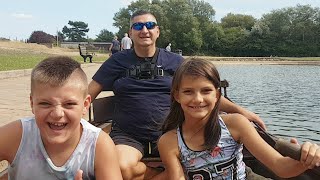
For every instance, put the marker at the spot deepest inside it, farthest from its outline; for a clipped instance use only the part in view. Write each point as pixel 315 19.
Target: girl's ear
pixel 176 96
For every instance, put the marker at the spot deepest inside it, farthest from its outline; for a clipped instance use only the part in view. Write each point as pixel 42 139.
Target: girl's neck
pixel 193 133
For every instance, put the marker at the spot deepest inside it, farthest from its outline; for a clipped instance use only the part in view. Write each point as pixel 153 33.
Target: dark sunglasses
pixel 139 25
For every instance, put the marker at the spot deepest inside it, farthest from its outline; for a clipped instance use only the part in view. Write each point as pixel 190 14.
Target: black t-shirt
pixel 141 105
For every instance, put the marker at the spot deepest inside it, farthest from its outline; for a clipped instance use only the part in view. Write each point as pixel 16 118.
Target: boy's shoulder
pixel 10 138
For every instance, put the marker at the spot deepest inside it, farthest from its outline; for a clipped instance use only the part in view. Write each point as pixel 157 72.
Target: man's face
pixel 144 37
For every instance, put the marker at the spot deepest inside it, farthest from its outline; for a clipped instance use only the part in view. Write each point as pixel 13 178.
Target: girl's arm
pixel 169 153
pixel 106 160
pixel 285 167
pixel 230 107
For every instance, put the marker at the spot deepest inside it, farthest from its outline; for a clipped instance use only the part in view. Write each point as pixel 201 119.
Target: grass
pixel 14 60
pixel 300 58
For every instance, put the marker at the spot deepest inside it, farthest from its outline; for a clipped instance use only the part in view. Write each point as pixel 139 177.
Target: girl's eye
pixel 207 91
pixel 187 92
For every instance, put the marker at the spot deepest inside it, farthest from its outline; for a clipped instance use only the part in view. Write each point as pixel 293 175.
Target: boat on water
pixel 101 115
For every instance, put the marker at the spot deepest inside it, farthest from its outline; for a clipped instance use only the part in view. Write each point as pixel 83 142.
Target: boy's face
pixel 58 111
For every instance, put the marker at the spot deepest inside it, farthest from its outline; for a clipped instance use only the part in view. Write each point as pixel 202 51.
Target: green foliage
pixel 104 36
pixel 76 32
pixel 188 25
pixel 238 20
pixel 41 37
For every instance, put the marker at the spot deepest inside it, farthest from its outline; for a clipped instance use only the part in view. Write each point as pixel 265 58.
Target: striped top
pixel 224 162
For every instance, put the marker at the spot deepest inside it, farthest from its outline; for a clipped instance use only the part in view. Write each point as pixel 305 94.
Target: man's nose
pixel 144 29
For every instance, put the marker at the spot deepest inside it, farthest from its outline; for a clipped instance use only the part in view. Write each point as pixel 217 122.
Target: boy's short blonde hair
pixel 55 71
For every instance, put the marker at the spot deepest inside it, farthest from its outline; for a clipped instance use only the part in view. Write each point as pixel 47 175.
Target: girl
pixel 200 144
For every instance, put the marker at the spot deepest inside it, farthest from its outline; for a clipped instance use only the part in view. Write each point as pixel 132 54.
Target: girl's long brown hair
pixel 175 118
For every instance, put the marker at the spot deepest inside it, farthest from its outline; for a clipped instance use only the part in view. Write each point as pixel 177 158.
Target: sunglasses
pixel 139 25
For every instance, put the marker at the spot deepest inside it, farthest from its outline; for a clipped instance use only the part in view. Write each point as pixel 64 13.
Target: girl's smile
pixel 197 97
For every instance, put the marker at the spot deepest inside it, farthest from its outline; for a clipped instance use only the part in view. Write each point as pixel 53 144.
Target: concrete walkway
pixel 15 89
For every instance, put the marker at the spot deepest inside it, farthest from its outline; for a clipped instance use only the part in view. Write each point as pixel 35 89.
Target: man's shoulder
pixel 169 56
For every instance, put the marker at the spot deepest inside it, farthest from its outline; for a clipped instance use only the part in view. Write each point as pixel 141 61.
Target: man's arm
pixel 94 89
pixel 230 107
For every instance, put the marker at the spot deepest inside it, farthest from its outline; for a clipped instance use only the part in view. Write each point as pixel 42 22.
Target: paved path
pixel 15 89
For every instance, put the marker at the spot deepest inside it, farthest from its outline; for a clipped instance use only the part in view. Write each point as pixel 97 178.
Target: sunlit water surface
pixel 286 97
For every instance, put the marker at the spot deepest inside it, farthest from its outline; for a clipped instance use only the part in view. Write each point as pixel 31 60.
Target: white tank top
pixel 224 162
pixel 32 161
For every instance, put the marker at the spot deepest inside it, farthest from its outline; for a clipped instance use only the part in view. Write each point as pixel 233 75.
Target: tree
pixel 76 32
pixel 238 20
pixel 41 37
pixel 104 36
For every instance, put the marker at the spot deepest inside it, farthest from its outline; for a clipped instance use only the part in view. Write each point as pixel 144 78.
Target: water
pixel 286 97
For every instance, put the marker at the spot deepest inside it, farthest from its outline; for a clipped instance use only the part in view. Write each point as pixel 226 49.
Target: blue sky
pixel 19 18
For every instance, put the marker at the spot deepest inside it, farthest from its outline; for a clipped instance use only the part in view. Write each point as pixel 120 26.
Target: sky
pixel 19 18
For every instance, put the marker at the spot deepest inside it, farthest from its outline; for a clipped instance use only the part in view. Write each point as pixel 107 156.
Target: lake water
pixel 286 97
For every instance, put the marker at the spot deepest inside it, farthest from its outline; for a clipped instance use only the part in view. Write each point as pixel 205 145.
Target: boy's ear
pixel 31 103
pixel 86 105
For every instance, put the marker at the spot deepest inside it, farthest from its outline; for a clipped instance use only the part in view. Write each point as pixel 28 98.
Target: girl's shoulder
pixel 235 123
pixel 169 138
pixel 233 119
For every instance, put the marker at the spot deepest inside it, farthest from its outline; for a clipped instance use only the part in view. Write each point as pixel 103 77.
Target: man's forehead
pixel 144 18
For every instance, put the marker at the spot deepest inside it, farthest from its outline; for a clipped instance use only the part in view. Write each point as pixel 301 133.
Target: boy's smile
pixel 58 111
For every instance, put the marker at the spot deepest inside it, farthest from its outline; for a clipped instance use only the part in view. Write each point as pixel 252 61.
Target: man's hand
pixel 255 118
pixel 78 175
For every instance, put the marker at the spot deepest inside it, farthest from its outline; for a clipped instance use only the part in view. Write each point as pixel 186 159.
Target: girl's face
pixel 58 111
pixel 197 97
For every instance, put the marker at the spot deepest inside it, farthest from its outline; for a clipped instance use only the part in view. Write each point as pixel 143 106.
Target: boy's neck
pixel 60 153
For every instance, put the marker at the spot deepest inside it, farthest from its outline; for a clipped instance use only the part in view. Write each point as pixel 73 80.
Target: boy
pixel 57 143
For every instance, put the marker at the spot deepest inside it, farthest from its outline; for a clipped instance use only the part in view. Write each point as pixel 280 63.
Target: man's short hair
pixel 56 70
pixel 139 13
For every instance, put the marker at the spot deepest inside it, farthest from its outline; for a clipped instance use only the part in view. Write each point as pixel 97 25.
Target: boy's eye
pixel 44 103
pixel 70 104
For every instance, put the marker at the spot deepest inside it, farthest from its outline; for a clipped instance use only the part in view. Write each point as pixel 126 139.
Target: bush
pixel 41 37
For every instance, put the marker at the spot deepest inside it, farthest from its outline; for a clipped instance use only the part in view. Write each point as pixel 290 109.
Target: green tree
pixel 76 32
pixel 238 20
pixel 104 36
pixel 41 37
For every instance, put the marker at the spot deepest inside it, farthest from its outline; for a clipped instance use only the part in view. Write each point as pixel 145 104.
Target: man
pixel 142 91
pixel 126 42
pixel 168 48
pixel 115 45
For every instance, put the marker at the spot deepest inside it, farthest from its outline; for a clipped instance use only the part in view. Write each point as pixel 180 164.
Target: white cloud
pixel 22 16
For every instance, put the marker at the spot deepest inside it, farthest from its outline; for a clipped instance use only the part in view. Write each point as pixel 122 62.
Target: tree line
pixel 189 25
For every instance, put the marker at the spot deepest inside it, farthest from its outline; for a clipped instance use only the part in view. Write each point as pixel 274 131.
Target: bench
pixel 84 53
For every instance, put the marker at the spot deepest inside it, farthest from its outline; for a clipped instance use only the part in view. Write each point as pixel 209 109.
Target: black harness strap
pixel 146 69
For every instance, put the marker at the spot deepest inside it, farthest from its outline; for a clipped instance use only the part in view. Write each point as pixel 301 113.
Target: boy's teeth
pixel 57 126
